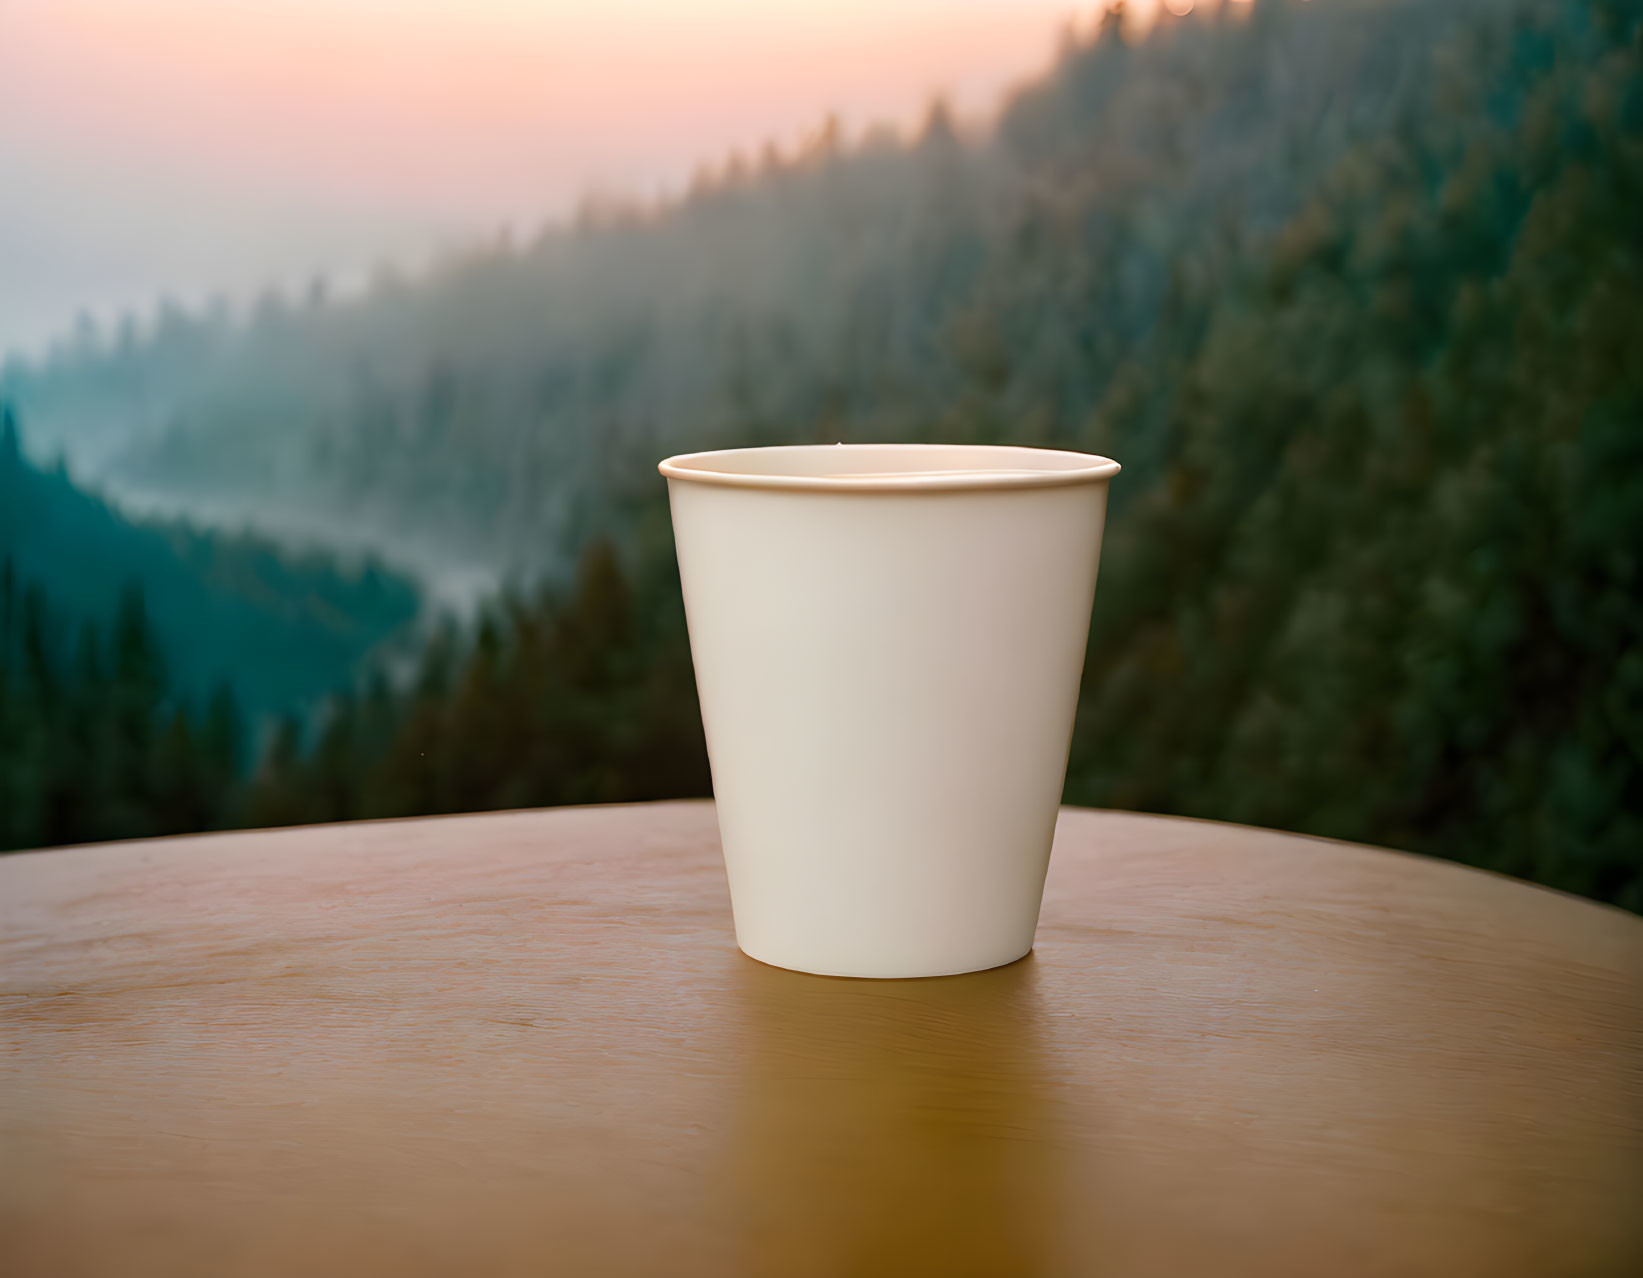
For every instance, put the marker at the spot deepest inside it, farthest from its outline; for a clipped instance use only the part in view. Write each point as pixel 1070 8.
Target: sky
pixel 185 148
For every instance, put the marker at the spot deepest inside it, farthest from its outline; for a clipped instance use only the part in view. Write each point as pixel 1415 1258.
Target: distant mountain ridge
pixel 937 287
pixel 282 631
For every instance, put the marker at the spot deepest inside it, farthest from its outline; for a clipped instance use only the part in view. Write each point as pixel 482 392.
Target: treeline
pixel 282 628
pixel 580 696
pixel 94 744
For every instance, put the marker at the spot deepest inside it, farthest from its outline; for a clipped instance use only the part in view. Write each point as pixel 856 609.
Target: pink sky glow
pixel 192 145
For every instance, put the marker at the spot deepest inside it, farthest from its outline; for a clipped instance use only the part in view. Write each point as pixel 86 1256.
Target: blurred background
pixel 339 340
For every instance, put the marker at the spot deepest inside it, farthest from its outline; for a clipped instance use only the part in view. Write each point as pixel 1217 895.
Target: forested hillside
pixel 935 287
pixel 94 743
pixel 576 696
pixel 1389 585
pixel 1351 288
pixel 280 629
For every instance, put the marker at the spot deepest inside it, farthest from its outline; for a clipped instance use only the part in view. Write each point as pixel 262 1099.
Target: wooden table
pixel 526 1044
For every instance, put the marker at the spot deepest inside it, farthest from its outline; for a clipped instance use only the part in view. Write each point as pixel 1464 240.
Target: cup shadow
pixel 901 1127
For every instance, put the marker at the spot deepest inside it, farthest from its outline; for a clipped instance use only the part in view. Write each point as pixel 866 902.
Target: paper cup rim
pixel 889 468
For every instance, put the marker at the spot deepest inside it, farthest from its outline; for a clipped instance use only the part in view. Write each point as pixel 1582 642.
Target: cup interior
pixel 890 466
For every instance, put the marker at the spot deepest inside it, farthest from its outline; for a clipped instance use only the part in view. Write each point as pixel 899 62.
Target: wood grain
pixel 526 1044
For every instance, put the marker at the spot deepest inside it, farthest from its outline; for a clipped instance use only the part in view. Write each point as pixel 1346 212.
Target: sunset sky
pixel 187 146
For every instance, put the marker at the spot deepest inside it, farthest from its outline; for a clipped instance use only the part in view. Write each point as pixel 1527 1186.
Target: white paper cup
pixel 888 641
